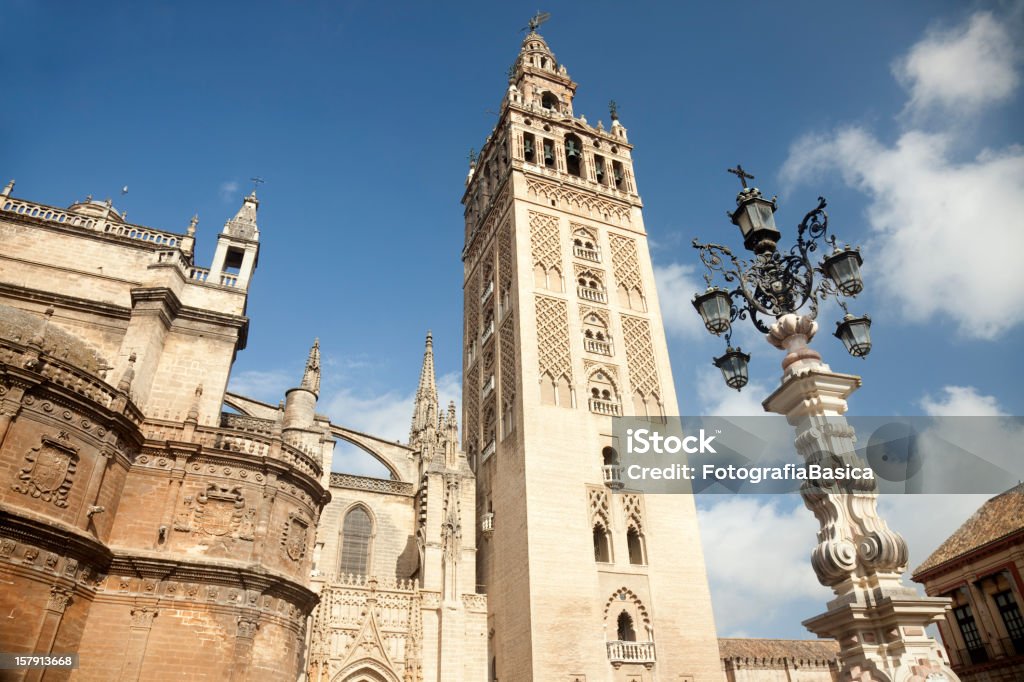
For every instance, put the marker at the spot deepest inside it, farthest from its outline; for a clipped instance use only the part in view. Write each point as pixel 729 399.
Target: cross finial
pixel 472 156
pixel 613 109
pixel 741 174
pixel 256 182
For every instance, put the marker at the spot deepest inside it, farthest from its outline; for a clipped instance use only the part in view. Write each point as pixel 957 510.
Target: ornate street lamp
pixel 857 555
pixel 774 283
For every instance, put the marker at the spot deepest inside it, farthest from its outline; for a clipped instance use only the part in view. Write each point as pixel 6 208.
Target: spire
pixel 425 411
pixel 243 225
pixel 311 377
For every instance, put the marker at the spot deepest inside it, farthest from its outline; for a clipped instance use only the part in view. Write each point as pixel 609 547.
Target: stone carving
pixel 553 338
pixel 219 510
pixel 59 599
pixel 247 627
pixel 182 520
pixel 471 407
pixel 586 201
pixel 373 484
pixel 505 271
pixel 247 528
pixel 633 512
pixel 142 617
pixel 7 547
pixel 545 245
pixel 599 511
pixel 625 263
pixel 643 374
pixel 50 470
pixel 508 362
pixel 296 530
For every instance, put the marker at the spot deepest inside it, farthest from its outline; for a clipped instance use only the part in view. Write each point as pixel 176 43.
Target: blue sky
pixel 360 116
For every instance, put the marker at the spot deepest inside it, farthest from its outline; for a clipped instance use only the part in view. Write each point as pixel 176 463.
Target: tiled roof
pixel 822 650
pixel 1001 516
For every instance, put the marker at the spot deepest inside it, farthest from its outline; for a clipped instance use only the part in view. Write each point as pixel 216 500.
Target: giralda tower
pixel 586 580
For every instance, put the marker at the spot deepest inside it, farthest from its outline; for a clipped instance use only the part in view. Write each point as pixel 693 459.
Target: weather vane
pixel 741 174
pixel 256 182
pixel 536 20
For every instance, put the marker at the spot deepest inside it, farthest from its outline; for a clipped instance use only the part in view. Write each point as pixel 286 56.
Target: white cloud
pixel 389 414
pixel 677 283
pixel 268 386
pixel 946 232
pixel 961 401
pixel 758 559
pixel 229 191
pixel 925 521
pixel 718 400
pixel 960 70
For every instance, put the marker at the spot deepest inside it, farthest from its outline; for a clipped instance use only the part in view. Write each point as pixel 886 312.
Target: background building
pixel 979 567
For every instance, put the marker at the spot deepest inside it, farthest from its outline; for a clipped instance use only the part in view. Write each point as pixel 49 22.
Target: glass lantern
pixel 843 268
pixel 755 217
pixel 715 308
pixel 855 334
pixel 734 367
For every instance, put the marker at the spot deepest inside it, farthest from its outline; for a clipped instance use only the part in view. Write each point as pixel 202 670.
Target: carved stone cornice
pixel 52 535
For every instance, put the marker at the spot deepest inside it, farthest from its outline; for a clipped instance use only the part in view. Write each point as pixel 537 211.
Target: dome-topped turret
pixel 101 210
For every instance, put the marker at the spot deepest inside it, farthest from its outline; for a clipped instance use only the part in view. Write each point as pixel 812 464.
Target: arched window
pixel 624 628
pixel 355 544
pixel 573 155
pixel 609 455
pixel 635 544
pixel 602 550
pixel 549 101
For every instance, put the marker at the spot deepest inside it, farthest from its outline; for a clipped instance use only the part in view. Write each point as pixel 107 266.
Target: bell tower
pixel 586 579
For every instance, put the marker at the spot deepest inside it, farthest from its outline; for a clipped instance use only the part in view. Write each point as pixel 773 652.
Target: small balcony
pixel 605 407
pixel 596 346
pixel 487 292
pixel 488 332
pixel 613 476
pixel 488 387
pixel 487 524
pixel 591 294
pixel 583 252
pixel 631 652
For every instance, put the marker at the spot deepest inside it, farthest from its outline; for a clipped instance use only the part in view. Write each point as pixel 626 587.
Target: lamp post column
pixel 879 622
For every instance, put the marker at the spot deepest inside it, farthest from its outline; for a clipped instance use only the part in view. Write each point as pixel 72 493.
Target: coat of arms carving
pixel 50 470
pixel 219 510
pixel 296 530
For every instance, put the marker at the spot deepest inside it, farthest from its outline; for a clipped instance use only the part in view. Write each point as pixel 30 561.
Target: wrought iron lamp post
pixel 879 622
pixel 773 283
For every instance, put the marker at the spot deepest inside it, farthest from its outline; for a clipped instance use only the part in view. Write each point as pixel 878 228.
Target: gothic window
pixel 585 246
pixel 599 169
pixel 635 545
pixel 549 101
pixel 573 155
pixel 590 287
pixel 618 175
pixel 357 531
pixel 549 153
pixel 602 544
pixel 624 628
pixel 529 147
pixel 595 335
pixel 603 396
pixel 609 456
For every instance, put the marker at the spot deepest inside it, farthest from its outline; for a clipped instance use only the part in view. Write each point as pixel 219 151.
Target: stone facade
pixel 563 331
pixel 139 525
pixel 979 568
pixel 779 660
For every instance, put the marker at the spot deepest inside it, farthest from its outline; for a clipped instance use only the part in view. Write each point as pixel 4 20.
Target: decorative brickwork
pixel 553 338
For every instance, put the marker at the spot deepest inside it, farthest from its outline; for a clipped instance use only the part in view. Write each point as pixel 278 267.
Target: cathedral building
pixel 163 527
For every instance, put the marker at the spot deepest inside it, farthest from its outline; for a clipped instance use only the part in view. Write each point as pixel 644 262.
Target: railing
pixel 589 294
pixel 604 407
pixel 198 274
pixel 586 254
pixel 488 451
pixel 228 280
pixel 243 422
pixel 487 292
pixel 488 332
pixel 488 387
pixel 631 652
pixel 376 485
pixel 612 476
pixel 487 523
pixel 595 346
pixel 61 217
